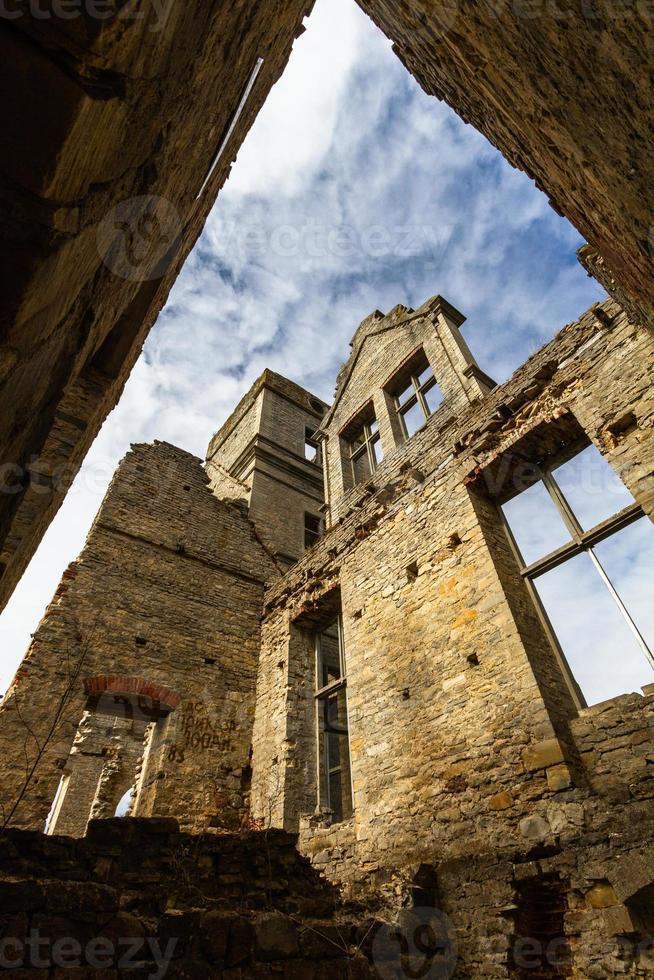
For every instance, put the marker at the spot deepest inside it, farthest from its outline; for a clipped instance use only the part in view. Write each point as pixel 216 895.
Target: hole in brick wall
pixel 358 614
pixel 424 888
pixel 641 910
pixel 186 487
pixel 210 661
pixel 246 778
pixel 412 571
pixel 539 946
pixel 473 659
pixel 140 641
pixel 625 423
pixel 454 541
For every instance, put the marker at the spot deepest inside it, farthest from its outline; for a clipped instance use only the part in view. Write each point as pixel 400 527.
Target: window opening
pixel 365 450
pixel 51 818
pixel 586 551
pixel 416 395
pixel 124 803
pixel 313 529
pixel 335 780
pixel 539 946
pixel 311 446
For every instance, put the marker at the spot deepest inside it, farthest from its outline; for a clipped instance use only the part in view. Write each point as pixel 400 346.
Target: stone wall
pixel 104 762
pixel 380 347
pixel 262 447
pixel 524 74
pixel 469 754
pixel 136 897
pixel 160 617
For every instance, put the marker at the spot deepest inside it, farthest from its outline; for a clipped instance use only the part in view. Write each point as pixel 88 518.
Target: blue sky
pixel 353 191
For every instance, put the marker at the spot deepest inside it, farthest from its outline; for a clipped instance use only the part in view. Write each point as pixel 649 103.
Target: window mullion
pixel 621 606
pixel 372 462
pixel 575 690
pixel 423 405
pixel 563 507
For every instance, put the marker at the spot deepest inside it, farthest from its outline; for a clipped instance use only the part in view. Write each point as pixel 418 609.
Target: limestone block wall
pixel 381 346
pixel 524 75
pixel 138 896
pixel 233 438
pixel 262 447
pixel 162 606
pixel 478 784
pixel 463 732
pixel 103 764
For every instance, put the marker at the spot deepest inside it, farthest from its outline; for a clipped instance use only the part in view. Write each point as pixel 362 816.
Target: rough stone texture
pixel 563 91
pixel 383 344
pixel 245 906
pixel 261 447
pixel 468 752
pixel 105 758
pixel 158 621
pixel 100 113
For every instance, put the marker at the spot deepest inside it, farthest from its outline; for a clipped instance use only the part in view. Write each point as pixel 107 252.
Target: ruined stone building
pixel 134 118
pixel 408 627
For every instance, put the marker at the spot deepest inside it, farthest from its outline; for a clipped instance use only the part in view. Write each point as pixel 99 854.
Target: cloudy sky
pixel 354 191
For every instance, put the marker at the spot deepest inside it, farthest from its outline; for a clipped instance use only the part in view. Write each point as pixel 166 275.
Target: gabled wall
pixel 380 348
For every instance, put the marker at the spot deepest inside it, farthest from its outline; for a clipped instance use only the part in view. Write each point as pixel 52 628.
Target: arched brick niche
pixel 125 686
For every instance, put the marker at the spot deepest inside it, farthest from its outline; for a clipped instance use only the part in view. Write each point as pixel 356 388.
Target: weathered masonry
pixel 132 121
pixel 439 674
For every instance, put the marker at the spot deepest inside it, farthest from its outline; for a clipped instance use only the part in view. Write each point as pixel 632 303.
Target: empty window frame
pixel 334 776
pixel 311 446
pixel 416 395
pixel 365 450
pixel 313 529
pixel 586 551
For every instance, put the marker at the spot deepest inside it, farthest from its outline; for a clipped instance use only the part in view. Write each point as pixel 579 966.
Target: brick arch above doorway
pixel 123 684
